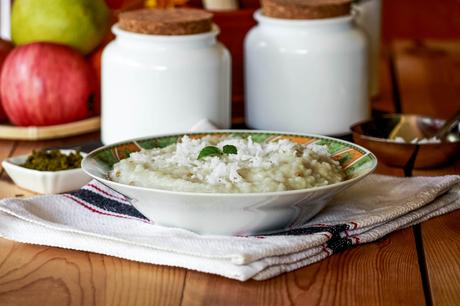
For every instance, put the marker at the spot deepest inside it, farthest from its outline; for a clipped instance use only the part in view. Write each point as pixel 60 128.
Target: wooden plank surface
pixel 383 102
pixel 381 273
pixel 6 186
pixel 6 148
pixel 429 83
pixel 40 275
pixel 428 77
pixel 441 240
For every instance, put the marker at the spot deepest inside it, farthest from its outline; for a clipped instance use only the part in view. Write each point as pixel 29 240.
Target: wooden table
pixel 415 266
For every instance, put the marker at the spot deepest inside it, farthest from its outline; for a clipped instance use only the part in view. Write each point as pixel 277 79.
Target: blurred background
pixel 409 20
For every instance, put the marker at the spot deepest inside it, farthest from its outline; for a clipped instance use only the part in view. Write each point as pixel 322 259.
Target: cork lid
pixel 305 9
pixel 180 21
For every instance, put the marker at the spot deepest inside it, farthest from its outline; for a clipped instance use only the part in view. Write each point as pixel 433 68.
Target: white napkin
pixel 99 220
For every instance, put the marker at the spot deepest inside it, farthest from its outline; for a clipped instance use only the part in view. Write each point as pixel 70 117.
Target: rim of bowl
pixel 231 194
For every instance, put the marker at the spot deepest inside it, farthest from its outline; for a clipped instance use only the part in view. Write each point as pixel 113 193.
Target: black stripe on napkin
pixel 335 244
pixel 339 244
pixel 335 230
pixel 107 204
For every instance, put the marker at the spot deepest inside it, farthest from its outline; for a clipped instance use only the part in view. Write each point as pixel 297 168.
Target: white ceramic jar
pixel 157 84
pixel 307 75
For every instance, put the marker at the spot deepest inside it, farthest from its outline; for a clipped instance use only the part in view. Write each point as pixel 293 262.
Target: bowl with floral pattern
pixel 231 213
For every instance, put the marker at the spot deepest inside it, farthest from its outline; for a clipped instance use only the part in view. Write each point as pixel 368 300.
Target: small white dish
pixel 44 181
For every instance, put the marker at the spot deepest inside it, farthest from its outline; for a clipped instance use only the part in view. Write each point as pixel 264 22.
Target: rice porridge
pixel 229 164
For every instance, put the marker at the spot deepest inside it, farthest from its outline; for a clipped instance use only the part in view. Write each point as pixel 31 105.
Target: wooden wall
pixel 417 19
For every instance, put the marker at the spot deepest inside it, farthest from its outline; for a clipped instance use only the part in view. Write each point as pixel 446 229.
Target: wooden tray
pixel 50 132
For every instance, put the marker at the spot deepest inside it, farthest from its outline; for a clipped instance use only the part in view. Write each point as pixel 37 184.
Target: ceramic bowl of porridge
pixel 230 182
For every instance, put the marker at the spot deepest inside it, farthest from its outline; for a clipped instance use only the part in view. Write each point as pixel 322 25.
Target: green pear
pixel 80 24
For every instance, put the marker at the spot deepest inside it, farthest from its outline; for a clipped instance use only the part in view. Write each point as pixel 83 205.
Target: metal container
pixel 375 135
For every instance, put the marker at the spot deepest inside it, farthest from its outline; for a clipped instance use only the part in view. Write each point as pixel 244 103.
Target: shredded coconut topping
pixel 256 167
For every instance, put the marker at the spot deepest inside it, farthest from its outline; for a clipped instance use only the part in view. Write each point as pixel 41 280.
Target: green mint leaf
pixel 230 149
pixel 209 151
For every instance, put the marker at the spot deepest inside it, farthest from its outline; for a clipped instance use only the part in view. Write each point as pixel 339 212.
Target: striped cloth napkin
pixel 97 219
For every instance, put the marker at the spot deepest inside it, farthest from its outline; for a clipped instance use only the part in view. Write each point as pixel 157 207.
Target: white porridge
pixel 224 164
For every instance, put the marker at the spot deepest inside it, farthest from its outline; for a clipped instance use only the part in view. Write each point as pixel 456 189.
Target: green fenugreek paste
pixel 53 160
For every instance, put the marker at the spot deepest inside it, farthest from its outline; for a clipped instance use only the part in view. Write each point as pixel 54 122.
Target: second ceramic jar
pixel 164 73
pixel 306 68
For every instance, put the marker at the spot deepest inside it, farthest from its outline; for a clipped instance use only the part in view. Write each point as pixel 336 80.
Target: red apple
pixel 46 84
pixel 5 48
